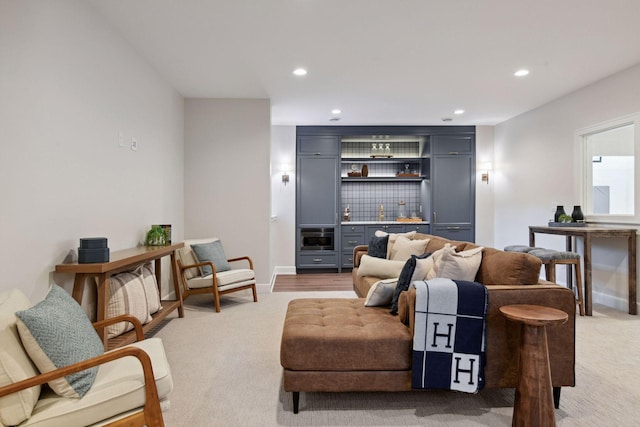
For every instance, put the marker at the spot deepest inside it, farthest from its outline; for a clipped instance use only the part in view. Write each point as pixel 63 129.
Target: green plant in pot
pixel 156 236
pixel 565 218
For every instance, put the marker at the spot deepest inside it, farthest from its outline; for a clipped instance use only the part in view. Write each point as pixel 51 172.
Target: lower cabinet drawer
pixel 347 259
pixel 420 228
pixel 328 260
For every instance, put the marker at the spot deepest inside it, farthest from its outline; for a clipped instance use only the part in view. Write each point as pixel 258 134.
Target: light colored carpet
pixel 226 370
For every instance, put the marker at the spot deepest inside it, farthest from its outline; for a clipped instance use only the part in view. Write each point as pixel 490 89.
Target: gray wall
pixel 226 170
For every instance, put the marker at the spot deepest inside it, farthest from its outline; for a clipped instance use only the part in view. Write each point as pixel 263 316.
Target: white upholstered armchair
pixel 204 269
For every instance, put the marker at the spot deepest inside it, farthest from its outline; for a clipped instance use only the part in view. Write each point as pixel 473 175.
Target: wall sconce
pixel 285 168
pixel 485 168
pixel 285 178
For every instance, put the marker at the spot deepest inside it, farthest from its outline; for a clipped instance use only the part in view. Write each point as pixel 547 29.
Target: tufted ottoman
pixel 339 344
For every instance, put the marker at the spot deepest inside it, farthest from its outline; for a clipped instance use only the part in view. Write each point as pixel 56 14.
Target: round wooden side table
pixel 533 405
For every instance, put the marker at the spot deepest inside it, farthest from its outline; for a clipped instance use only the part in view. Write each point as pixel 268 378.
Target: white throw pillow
pixel 460 265
pixel 392 238
pixel 378 267
pixel 381 293
pixel 436 258
pixel 403 248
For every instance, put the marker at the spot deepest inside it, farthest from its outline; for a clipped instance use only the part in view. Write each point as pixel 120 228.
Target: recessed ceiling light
pixel 336 111
pixel 521 73
pixel 458 111
pixel 300 72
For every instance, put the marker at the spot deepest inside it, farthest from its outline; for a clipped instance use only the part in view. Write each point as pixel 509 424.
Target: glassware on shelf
pixel 374 149
pixel 380 149
pixel 387 149
pixel 402 209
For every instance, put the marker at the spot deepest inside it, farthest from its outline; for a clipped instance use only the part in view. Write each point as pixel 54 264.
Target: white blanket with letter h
pixel 449 335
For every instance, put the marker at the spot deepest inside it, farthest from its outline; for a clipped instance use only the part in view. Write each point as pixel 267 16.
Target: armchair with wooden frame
pixel 130 385
pixel 218 282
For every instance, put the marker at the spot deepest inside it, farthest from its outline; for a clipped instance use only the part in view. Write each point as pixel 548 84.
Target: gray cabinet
pixel 453 187
pixel 317 189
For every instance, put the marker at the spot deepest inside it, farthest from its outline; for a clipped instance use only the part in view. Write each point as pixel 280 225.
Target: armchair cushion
pixel 118 388
pixel 56 332
pixel 240 276
pixel 211 251
pixel 15 365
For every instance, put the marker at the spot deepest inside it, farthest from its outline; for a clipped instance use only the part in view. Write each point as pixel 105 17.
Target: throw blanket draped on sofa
pixel 449 335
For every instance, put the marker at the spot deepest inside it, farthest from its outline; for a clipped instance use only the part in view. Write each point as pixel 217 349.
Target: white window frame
pixel 585 168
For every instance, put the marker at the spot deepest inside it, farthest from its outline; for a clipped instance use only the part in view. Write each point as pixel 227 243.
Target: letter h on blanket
pixel 449 335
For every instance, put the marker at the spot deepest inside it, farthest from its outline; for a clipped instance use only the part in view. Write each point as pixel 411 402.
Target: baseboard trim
pixel 280 269
pixel 610 301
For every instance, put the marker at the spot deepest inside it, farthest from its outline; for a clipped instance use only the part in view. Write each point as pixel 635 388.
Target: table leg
pixel 532 238
pixel 102 302
pixel 633 304
pixel 569 248
pixel 176 285
pixel 534 397
pixel 587 273
pixel 78 287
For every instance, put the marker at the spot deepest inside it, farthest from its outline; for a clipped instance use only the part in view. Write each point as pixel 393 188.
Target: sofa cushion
pixel 392 238
pixel 227 279
pixel 56 332
pixel 414 269
pixel 126 295
pixel 461 265
pixel 436 259
pixel 403 248
pixel 378 246
pixel 118 388
pixel 380 268
pixel 213 252
pixel 381 293
pixel 15 364
pixel 508 268
pixel 359 338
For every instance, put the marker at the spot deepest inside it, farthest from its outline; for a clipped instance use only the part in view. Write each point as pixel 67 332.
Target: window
pixel 610 157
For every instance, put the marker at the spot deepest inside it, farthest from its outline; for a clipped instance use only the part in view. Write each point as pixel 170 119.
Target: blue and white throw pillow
pixel 56 333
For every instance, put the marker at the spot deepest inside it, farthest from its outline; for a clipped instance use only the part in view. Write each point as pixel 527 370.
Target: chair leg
pixel 576 266
pixel 216 299
pixel 255 293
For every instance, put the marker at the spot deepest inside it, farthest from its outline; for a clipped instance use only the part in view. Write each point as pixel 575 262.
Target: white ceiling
pixel 382 61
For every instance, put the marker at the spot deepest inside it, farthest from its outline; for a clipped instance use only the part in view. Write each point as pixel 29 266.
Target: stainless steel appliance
pixel 317 239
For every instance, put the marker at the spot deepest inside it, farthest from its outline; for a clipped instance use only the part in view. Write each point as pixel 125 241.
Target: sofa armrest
pixel 151 414
pixel 358 251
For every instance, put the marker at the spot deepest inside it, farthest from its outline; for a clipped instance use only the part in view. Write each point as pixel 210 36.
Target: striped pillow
pixel 126 295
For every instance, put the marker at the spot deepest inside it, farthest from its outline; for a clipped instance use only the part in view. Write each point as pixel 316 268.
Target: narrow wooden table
pixel 588 233
pixel 124 260
pixel 534 396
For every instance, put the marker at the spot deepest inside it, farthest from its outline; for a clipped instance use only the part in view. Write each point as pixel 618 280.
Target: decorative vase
pixel 559 211
pixel 577 214
pixel 365 171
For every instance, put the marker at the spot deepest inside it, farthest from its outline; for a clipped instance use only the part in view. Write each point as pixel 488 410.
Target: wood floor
pixel 313 282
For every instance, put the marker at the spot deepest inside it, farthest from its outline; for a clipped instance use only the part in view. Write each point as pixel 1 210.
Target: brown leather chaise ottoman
pixel 336 344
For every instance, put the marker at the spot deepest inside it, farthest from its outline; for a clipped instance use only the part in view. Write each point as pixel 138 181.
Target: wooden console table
pixel 124 260
pixel 588 233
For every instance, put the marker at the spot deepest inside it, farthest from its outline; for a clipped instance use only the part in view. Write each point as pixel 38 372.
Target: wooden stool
pixel 551 258
pixel 533 405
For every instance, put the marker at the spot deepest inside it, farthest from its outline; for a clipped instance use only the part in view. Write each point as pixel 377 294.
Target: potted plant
pixel 156 236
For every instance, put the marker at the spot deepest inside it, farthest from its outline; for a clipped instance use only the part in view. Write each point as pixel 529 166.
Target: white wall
pixel 283 199
pixel 69 85
pixel 536 167
pixel 226 165
pixel 484 190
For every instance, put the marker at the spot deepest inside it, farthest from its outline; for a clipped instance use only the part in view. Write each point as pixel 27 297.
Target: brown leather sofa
pixel 337 345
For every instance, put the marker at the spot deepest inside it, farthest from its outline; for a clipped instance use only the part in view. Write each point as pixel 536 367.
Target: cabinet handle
pixel 453 228
pixel 317 260
pixel 454 153
pixel 353 242
pixel 317 154
pixel 435 218
pixel 350 259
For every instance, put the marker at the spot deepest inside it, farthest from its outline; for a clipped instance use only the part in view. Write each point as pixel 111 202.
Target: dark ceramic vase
pixel 559 211
pixel 577 214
